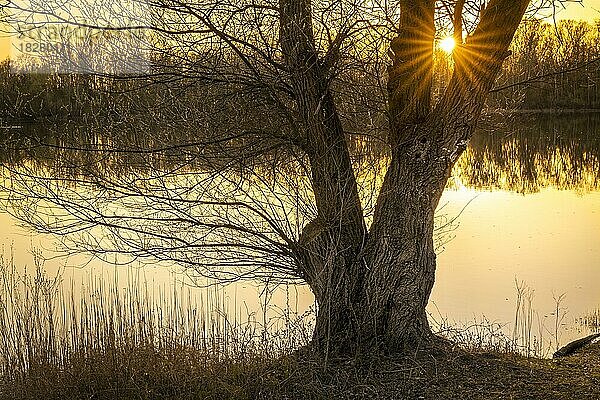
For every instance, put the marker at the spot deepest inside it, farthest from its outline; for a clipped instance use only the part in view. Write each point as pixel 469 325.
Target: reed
pixel 529 336
pixel 476 336
pixel 590 321
pixel 115 337
pixel 126 333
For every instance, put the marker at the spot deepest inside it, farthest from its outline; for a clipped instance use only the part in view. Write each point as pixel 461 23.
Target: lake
pixel 521 214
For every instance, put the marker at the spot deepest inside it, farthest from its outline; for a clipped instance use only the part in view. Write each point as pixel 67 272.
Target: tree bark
pixel 410 76
pixel 330 245
pixel 372 287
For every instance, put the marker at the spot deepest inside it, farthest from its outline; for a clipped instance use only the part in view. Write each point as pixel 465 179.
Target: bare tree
pixel 271 186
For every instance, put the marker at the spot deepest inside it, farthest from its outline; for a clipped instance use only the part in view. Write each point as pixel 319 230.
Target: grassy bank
pixel 106 341
pixel 180 373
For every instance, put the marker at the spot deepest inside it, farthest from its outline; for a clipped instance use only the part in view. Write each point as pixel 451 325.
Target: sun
pixel 448 44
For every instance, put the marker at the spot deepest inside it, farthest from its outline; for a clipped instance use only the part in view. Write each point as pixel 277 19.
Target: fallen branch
pixel 575 345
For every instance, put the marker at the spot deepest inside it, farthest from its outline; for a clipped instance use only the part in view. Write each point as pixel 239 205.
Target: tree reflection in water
pixel 524 154
pixel 533 152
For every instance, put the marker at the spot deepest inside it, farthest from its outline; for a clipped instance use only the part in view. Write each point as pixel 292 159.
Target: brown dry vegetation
pixel 187 374
pixel 119 345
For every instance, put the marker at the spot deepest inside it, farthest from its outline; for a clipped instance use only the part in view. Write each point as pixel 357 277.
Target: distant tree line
pixel 553 66
pixel 66 97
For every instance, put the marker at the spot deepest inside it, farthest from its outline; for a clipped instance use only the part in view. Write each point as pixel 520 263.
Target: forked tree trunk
pixel 379 301
pixel 372 286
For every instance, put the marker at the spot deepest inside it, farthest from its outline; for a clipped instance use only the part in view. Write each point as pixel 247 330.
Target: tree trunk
pixel 384 305
pixel 372 287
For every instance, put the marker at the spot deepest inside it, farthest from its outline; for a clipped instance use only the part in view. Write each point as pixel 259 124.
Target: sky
pixel 590 11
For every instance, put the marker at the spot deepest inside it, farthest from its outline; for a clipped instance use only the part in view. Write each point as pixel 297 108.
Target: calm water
pixel 527 200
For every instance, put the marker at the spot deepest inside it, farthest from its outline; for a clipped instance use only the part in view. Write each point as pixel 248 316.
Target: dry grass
pixel 111 343
pixel 447 374
pixel 102 340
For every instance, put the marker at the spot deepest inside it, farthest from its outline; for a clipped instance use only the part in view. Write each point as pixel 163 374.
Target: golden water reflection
pixel 523 153
pixel 536 152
